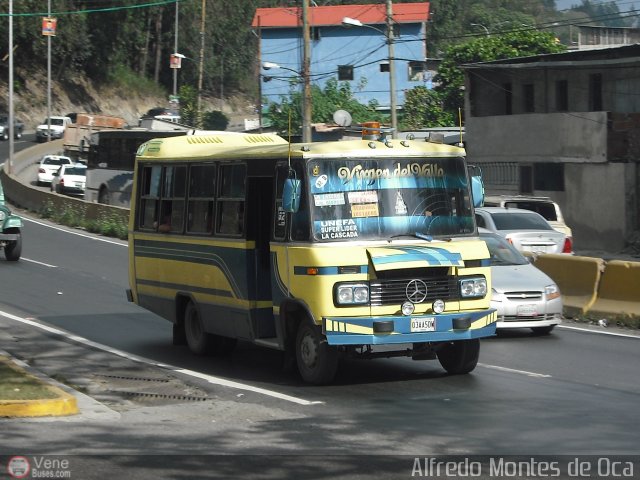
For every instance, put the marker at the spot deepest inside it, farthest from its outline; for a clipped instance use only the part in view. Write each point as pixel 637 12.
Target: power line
pixel 94 10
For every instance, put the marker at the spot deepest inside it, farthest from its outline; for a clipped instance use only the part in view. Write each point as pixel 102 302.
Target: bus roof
pixel 244 146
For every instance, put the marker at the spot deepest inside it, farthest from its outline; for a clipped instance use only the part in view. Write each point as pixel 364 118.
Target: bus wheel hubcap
pixel 308 351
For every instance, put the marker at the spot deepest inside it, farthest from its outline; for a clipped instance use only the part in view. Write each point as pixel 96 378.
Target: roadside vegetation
pixel 75 216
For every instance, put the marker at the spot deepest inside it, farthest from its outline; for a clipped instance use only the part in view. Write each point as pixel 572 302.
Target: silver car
pixel 523 296
pixel 526 230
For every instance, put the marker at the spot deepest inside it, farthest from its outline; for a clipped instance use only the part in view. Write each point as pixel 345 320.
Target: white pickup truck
pixel 58 125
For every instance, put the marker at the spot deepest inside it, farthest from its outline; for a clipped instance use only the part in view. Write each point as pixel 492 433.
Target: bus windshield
pixel 387 198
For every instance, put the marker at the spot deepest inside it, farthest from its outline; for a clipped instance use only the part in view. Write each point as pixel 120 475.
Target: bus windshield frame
pixel 386 198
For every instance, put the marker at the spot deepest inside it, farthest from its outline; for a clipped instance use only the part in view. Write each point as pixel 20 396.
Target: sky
pixel 623 5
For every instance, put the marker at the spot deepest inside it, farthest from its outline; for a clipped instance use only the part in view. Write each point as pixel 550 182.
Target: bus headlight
pixel 351 294
pixel 474 287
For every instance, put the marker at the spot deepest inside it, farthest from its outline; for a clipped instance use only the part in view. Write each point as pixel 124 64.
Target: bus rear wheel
pixel 317 360
pixel 459 357
pixel 199 341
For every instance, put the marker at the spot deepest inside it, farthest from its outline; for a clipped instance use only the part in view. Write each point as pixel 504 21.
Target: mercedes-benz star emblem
pixel 416 291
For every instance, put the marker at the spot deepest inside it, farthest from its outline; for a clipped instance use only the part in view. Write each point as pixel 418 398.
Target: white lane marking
pixel 90 237
pixel 39 263
pixel 588 330
pixel 512 370
pixel 210 378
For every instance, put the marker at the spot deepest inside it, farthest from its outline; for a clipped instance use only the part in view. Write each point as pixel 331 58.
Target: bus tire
pixel 459 357
pixel 199 341
pixel 317 360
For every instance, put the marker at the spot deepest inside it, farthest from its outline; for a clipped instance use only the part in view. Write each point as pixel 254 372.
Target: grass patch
pixel 16 384
pixel 73 215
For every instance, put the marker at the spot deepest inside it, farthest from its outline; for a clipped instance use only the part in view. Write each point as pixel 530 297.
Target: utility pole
pixel 392 71
pixel 201 73
pixel 175 50
pixel 306 74
pixel 11 121
pixel 259 104
pixel 49 76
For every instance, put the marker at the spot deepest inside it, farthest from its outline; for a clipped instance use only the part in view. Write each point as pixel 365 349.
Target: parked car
pixel 48 166
pixel 10 231
pixel 18 127
pixel 524 296
pixel 528 231
pixel 545 206
pixel 70 179
pixel 58 125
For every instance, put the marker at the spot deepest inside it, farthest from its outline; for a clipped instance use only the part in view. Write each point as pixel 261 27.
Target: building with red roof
pixel 358 55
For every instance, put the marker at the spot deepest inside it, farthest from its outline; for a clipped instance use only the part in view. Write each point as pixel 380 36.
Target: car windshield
pixel 75 171
pixel 390 197
pixel 546 209
pixel 56 161
pixel 519 221
pixel 502 252
pixel 54 121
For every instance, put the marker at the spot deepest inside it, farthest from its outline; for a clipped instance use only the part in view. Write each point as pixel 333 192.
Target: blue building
pixel 356 53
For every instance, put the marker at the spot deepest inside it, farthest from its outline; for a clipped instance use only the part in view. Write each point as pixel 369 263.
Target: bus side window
pixel 231 199
pixel 202 183
pixel 149 197
pixel 173 195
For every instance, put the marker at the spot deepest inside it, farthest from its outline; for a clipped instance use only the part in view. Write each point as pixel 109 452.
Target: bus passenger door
pixel 260 195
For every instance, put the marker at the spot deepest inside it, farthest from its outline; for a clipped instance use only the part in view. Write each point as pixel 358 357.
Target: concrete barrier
pixel 577 277
pixel 619 290
pixel 37 200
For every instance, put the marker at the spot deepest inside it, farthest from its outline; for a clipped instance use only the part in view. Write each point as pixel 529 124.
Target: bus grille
pixel 394 292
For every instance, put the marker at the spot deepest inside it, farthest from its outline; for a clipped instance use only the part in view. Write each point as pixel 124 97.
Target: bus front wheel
pixel 317 360
pixel 459 357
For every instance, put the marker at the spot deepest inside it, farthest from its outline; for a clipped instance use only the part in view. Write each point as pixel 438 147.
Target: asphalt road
pixel 574 392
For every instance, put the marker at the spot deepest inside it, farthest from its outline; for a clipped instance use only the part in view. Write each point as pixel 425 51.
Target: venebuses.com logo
pixel 18 467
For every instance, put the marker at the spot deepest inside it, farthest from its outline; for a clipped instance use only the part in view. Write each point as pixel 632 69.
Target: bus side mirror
pixel 477 191
pixel 291 195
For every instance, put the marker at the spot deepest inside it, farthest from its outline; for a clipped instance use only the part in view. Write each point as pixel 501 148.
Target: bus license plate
pixel 426 324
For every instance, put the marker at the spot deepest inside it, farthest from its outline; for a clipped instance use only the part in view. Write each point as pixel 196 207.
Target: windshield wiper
pixel 419 235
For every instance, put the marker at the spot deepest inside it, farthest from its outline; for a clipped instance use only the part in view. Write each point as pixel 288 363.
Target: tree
pixel 215 120
pixel 423 108
pixel 188 105
pixel 517 43
pixel 334 96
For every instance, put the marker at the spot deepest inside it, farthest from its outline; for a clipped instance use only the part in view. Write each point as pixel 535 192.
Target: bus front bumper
pixel 409 329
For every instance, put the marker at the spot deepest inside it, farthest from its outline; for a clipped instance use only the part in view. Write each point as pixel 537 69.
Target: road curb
pixel 63 404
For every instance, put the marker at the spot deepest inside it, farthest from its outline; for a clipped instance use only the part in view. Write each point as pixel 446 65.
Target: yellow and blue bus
pixel 363 248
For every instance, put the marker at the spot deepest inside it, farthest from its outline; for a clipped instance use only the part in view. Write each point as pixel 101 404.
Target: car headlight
pixel 351 294
pixel 3 215
pixel 473 287
pixel 551 291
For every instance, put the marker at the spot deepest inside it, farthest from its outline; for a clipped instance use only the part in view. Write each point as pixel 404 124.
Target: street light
pixel 480 25
pixel 353 22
